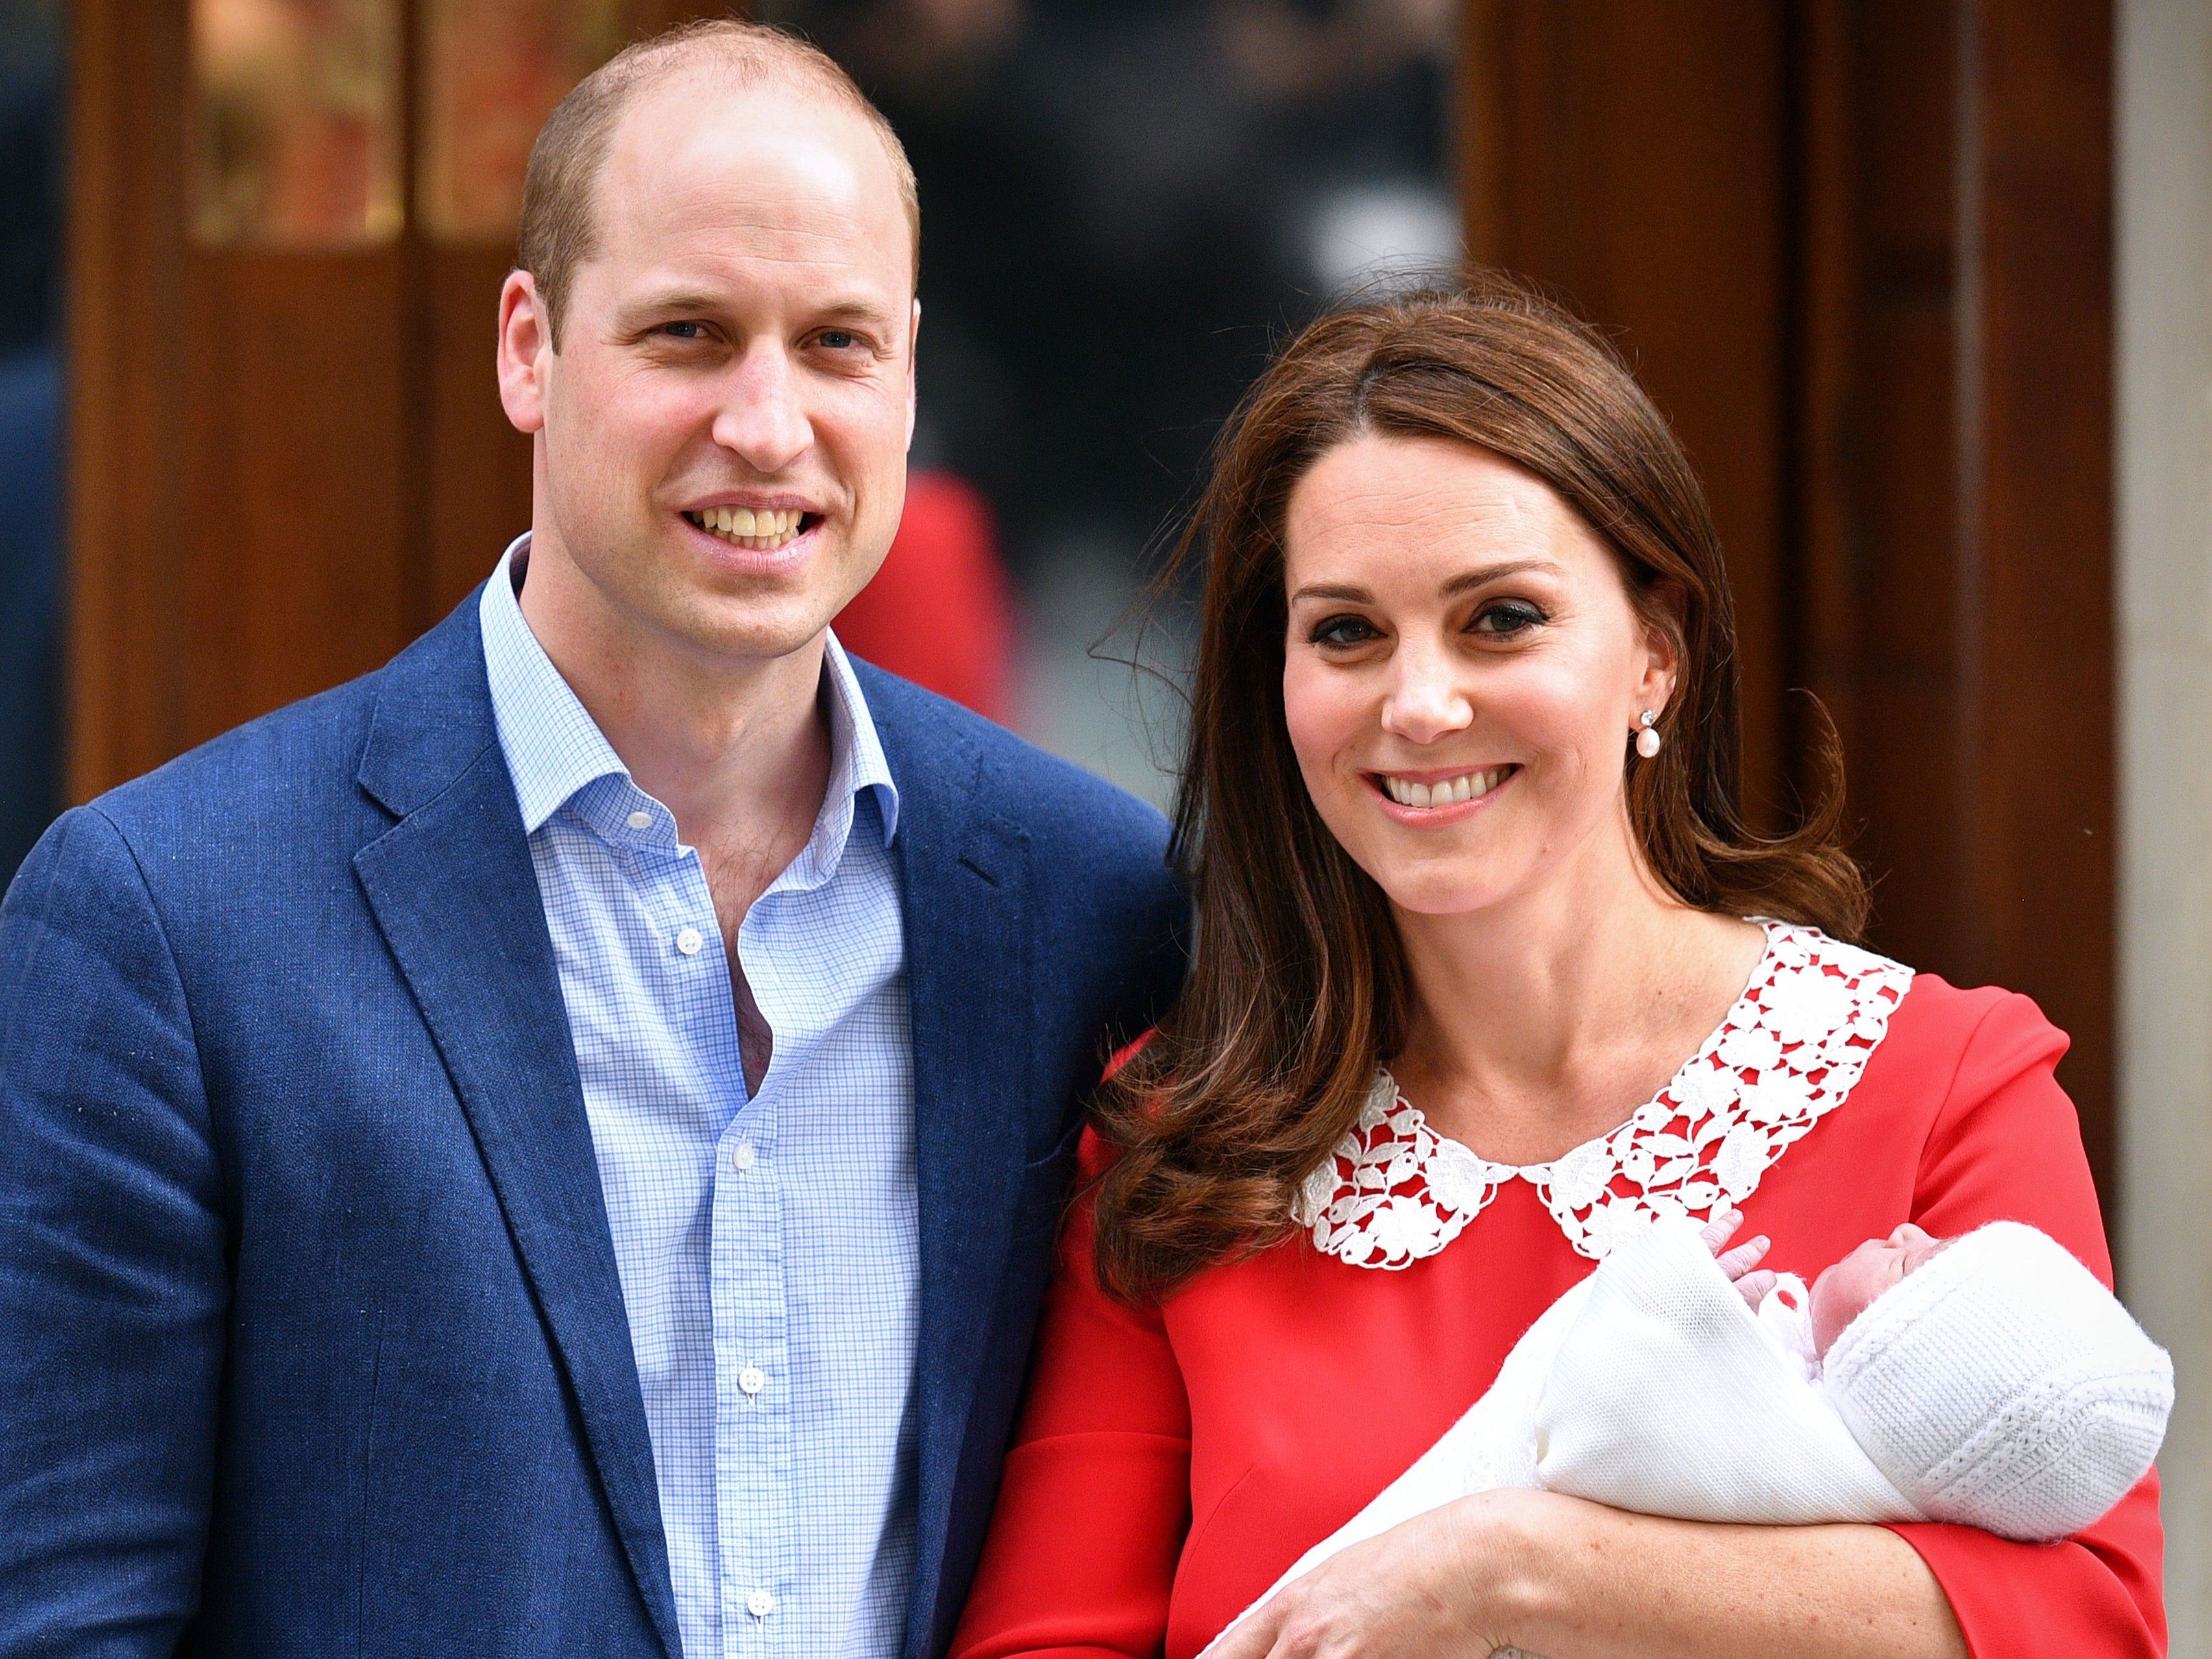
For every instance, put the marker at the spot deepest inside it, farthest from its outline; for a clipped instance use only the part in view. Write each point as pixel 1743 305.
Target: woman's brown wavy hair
pixel 1299 987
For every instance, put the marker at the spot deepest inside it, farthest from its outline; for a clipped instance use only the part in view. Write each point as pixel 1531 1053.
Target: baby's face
pixel 1843 1293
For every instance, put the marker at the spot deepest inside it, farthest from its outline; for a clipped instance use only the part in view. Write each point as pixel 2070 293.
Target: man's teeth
pixel 761 532
pixel 1466 787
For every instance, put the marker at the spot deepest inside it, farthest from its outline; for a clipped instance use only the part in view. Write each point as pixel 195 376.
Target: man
pixel 415 1235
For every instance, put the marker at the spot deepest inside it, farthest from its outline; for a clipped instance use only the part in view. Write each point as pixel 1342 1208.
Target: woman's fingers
pixel 1252 1637
pixel 1415 1592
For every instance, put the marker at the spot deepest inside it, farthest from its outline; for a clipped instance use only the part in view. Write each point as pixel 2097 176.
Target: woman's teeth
pixel 1467 787
pixel 761 531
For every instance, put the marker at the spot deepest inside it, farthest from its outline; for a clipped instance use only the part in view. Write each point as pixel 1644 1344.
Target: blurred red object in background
pixel 940 612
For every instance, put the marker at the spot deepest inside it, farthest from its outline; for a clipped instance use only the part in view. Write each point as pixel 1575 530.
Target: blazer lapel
pixel 963 879
pixel 453 889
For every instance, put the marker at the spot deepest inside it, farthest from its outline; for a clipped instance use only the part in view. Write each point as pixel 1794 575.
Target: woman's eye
pixel 1341 631
pixel 1504 621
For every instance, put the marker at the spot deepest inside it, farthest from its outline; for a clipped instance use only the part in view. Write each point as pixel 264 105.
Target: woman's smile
pixel 1438 797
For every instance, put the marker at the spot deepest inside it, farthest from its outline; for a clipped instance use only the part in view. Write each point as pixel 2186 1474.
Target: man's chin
pixel 751 630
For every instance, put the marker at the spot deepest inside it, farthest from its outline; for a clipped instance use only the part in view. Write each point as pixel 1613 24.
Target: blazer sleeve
pixel 112 1280
pixel 2007 1146
pixel 1095 1503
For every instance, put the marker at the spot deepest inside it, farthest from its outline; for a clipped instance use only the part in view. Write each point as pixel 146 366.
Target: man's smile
pixel 758 529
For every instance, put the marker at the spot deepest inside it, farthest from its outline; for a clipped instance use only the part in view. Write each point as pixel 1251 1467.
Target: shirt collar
pixel 555 751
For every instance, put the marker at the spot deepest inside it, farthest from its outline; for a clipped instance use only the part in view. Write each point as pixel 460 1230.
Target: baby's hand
pixel 1738 1263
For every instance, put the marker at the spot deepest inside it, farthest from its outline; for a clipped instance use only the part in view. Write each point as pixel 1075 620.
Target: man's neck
pixel 739 752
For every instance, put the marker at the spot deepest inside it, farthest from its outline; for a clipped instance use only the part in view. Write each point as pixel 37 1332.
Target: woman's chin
pixel 1414 895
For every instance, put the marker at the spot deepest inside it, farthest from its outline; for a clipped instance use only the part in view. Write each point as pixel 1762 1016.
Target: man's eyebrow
pixel 701 302
pixel 672 301
pixel 1460 584
pixel 852 311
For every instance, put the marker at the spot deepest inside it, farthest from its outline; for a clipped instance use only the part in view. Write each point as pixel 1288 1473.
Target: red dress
pixel 1171 1462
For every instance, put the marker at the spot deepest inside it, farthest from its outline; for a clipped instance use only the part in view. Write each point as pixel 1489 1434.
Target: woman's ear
pixel 1661 613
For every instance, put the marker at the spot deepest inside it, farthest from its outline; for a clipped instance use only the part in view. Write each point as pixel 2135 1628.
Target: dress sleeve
pixel 2007 1146
pixel 1095 1503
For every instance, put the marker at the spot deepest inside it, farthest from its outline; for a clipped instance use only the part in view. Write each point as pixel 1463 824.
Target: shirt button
pixel 752 1380
pixel 741 1155
pixel 759 1604
pixel 640 820
pixel 689 941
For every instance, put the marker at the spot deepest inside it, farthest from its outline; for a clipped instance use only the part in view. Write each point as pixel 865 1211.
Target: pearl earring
pixel 1647 740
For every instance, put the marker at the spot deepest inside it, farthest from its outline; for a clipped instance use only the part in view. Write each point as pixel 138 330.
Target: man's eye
pixel 1504 621
pixel 1341 631
pixel 838 339
pixel 683 330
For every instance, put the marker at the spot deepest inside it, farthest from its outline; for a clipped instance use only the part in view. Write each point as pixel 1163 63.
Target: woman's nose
pixel 1425 704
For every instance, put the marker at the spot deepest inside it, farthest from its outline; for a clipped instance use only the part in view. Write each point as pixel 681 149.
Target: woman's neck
pixel 1540 1022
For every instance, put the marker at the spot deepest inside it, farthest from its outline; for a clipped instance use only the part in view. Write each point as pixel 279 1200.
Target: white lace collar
pixel 1787 1054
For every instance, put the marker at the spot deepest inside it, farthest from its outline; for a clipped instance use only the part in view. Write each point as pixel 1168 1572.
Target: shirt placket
pixel 752 1374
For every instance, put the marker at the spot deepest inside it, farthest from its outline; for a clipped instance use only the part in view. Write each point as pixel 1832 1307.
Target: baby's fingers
pixel 1720 1228
pixel 1753 1287
pixel 1737 1262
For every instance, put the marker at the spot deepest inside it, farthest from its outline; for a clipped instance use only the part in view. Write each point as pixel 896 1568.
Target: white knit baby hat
pixel 2002 1387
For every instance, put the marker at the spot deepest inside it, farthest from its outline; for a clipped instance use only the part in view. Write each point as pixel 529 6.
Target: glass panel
pixel 296 105
pixel 492 70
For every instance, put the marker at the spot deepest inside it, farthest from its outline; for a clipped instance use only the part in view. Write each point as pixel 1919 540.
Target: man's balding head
pixel 560 219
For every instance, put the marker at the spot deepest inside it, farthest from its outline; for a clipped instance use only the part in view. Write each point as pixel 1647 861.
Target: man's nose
pixel 1426 702
pixel 762 419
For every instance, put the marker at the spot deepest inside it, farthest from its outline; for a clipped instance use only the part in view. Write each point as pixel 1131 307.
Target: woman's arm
pixel 1095 1501
pixel 1574 1580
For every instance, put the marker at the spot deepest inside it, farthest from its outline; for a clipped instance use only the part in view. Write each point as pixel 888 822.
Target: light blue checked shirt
pixel 767 1246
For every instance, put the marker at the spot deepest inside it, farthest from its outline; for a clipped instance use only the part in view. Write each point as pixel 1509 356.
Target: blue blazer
pixel 311 1340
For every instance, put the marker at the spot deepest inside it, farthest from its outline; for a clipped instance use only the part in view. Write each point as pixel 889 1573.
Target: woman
pixel 1474 993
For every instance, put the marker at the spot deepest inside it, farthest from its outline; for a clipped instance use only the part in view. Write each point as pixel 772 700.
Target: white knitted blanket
pixel 1649 1387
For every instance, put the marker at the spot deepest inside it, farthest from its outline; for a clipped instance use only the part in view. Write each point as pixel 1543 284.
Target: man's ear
pixel 526 352
pixel 913 381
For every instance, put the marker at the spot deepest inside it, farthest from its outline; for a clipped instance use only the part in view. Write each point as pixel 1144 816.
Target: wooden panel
pixel 296 491
pixel 478 466
pixel 2037 422
pixel 125 400
pixel 1905 710
pixel 1822 610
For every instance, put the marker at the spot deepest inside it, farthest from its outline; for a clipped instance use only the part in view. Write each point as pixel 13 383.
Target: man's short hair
pixel 560 221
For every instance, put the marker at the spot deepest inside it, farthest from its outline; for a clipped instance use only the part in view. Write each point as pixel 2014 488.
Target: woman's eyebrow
pixel 1491 572
pixel 1458 584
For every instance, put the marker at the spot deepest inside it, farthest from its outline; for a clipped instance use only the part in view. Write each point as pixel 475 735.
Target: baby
pixel 1988 1380
pixel 1807 1323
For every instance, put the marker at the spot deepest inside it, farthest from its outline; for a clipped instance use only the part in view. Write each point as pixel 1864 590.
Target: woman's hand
pixel 1431 1587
